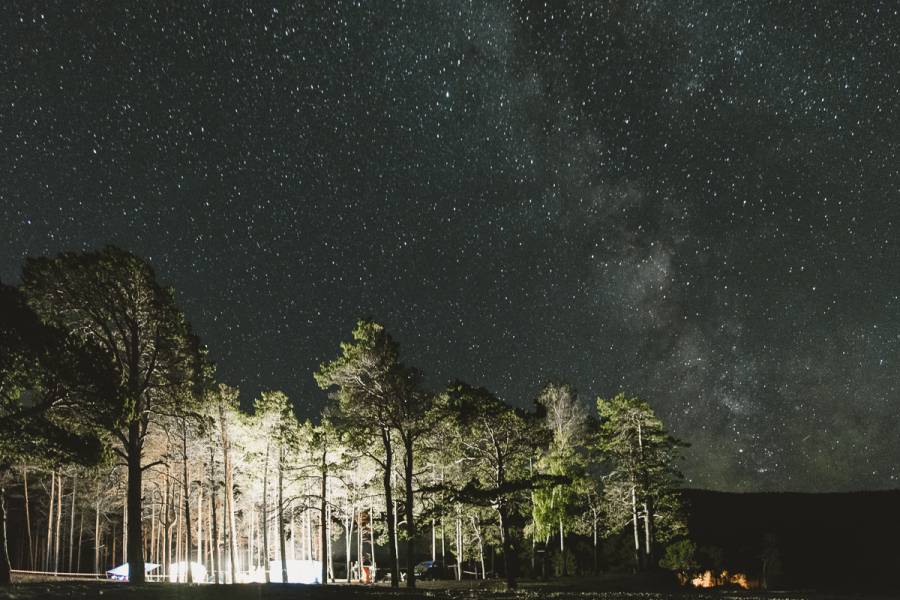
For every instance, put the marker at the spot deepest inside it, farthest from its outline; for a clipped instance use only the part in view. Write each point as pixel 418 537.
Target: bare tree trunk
pixel 167 528
pixel 214 525
pixel 50 521
pixel 509 552
pixel 265 515
pixel 5 568
pixel 180 521
pixel 410 518
pixel 283 549
pixel 72 522
pixel 80 533
pixel 330 551
pixel 97 531
pixel 562 547
pixel 135 529
pixel 187 501
pixel 637 539
pixel 594 527
pixel 229 494
pixel 58 524
pixel 28 517
pixel 648 533
pixel 389 508
pixel 200 520
pixel 323 507
pixel 372 540
pixel 478 537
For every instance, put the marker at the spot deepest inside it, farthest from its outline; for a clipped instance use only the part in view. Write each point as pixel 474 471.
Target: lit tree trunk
pixel 330 552
pixel 200 521
pixel 509 558
pixel 478 537
pixel 50 521
pixel 180 522
pixel 283 550
pixel 167 527
pixel 5 568
pixel 637 539
pixel 229 495
pixel 265 514
pixel 97 531
pixel 372 540
pixel 648 535
pixel 213 523
pixel 459 546
pixel 134 530
pixel 59 487
pixel 562 547
pixel 323 508
pixel 187 501
pixel 389 508
pixel 348 538
pixel 72 522
pixel 410 519
pixel 28 517
pixel 80 533
pixel 594 528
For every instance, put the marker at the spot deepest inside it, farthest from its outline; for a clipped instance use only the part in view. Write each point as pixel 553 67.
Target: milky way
pixel 695 202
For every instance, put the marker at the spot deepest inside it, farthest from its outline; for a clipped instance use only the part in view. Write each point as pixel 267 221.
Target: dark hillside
pixel 824 541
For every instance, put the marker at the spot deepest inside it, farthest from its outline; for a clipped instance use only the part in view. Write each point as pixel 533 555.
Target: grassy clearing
pixel 599 590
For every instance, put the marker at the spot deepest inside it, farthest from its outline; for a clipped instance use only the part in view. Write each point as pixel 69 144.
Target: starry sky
pixel 694 201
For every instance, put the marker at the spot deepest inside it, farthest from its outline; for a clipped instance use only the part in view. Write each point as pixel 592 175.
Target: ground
pixel 575 590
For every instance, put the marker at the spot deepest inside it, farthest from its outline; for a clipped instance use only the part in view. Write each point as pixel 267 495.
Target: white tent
pixel 298 571
pixel 120 573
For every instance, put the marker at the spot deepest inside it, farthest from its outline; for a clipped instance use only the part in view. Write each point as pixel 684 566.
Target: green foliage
pixel 110 298
pixel 680 556
pixel 642 475
pixel 563 459
pixel 49 381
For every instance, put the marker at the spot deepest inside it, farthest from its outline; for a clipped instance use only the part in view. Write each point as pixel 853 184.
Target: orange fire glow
pixel 708 579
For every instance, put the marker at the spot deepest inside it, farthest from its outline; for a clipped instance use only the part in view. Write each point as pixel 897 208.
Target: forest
pixel 119 445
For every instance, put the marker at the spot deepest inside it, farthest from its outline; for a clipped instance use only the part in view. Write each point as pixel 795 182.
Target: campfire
pixel 708 579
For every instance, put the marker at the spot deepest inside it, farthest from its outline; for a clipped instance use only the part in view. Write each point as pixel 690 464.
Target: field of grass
pixel 38 590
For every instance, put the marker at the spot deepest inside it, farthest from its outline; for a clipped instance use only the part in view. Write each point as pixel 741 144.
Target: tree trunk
pixel 389 508
pixel 59 487
pixel 167 527
pixel 72 523
pixel 648 533
pixel 80 533
pixel 199 521
pixel 97 531
pixel 509 553
pixel 28 517
pixel 187 502
pixel 323 507
pixel 562 547
pixel 265 515
pixel 410 520
pixel 214 524
pixel 229 494
pixel 594 525
pixel 348 539
pixel 284 573
pixel 634 522
pixel 5 568
pixel 50 521
pixel 135 530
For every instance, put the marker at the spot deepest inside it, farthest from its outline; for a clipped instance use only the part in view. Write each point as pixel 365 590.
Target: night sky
pixel 697 202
